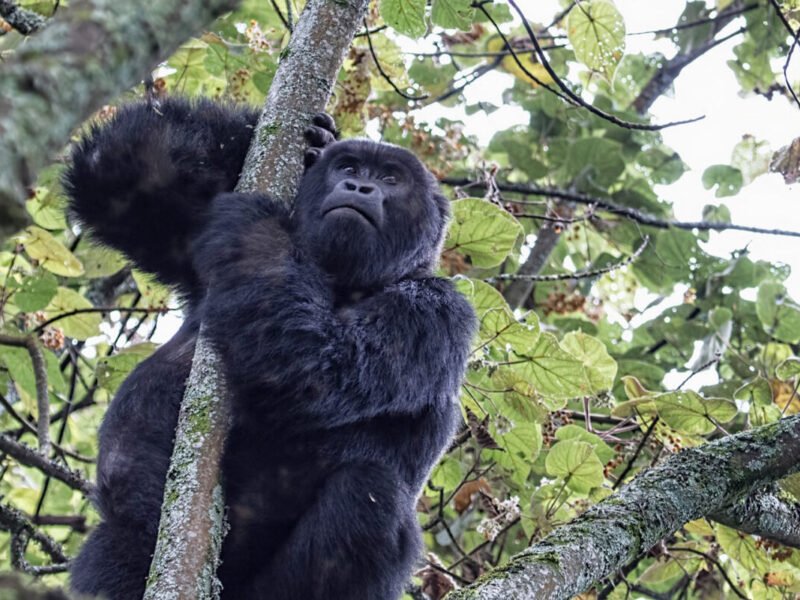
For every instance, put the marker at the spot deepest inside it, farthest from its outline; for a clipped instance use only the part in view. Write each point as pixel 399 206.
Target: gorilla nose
pixel 364 189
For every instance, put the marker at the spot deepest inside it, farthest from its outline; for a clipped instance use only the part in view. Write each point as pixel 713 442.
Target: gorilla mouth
pixel 354 209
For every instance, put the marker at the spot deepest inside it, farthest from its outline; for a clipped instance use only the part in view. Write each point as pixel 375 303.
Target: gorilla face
pixel 370 214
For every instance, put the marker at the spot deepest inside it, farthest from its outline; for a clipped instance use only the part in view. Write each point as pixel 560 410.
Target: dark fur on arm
pixel 143 182
pixel 392 352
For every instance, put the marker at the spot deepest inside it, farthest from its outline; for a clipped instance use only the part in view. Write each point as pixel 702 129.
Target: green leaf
pixel 601 369
pixel 778 313
pixel 576 462
pixel 154 294
pixel 453 14
pixel 112 370
pixel 574 432
pixel 34 293
pixel 51 254
pixel 788 368
pixel 742 548
pixel 101 261
pixel 666 165
pixel 596 31
pixel 522 445
pixel 689 412
pixel 79 326
pixel 18 363
pixel 405 16
pixel 756 392
pixel 553 372
pixel 498 325
pixel 482 230
pixel 728 179
pixel 598 159
pixel 447 474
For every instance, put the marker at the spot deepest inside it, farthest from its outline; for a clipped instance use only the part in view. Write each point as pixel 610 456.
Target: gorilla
pixel 342 351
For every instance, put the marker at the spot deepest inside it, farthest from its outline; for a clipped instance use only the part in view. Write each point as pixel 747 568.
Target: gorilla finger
pixel 311 156
pixel 318 137
pixel 325 121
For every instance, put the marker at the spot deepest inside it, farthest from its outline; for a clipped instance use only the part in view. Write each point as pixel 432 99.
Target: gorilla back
pixel 343 353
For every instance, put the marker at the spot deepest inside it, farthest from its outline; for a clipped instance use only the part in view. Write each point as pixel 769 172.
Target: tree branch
pixel 614 208
pixel 765 514
pixel 25 455
pixel 84 57
pixel 686 486
pixel 22 531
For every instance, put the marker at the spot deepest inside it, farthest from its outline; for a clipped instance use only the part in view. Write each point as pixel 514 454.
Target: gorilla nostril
pixel 350 186
pixel 366 190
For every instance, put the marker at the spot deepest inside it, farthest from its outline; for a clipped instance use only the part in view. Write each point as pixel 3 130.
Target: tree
pixel 559 230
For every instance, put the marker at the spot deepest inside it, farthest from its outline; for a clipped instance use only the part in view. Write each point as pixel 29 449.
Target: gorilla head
pixel 370 214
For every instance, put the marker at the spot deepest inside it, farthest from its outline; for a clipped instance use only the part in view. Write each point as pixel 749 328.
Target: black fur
pixel 343 354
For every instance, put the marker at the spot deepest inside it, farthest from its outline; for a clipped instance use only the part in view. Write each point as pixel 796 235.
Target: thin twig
pixel 716 563
pixel 280 15
pixel 794 35
pixel 102 309
pixel 25 455
pixel 574 98
pixel 22 531
pixel 614 208
pixel 568 276
pixel 383 73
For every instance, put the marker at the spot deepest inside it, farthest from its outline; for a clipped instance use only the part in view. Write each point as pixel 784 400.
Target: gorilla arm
pixel 391 352
pixel 142 183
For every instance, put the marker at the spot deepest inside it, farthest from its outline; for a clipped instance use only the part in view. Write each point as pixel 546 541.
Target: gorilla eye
pixel 390 179
pixel 349 169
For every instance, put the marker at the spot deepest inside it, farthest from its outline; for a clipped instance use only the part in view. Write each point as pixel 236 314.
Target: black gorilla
pixel 343 354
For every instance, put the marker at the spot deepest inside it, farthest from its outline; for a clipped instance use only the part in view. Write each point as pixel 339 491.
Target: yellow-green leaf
pixel 601 369
pixel 596 31
pixel 79 326
pixel 553 372
pixel 576 462
pixel 405 16
pixel 690 413
pixel 482 230
pixel 51 254
pixel 497 323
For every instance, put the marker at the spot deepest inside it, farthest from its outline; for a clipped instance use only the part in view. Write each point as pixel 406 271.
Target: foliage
pixel 560 391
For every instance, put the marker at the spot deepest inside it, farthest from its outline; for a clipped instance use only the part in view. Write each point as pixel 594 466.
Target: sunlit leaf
pixel 81 325
pixel 576 462
pixel 51 254
pixel 482 230
pixel 596 31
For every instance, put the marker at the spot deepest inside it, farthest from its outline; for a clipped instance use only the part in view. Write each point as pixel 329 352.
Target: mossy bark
pixel 301 88
pixel 687 486
pixel 89 53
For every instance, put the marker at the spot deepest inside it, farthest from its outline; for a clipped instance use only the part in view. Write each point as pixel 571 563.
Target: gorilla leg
pixel 109 558
pixel 359 541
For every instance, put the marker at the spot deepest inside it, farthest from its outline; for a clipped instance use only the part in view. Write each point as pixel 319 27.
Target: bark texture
pixel 687 486
pixel 88 54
